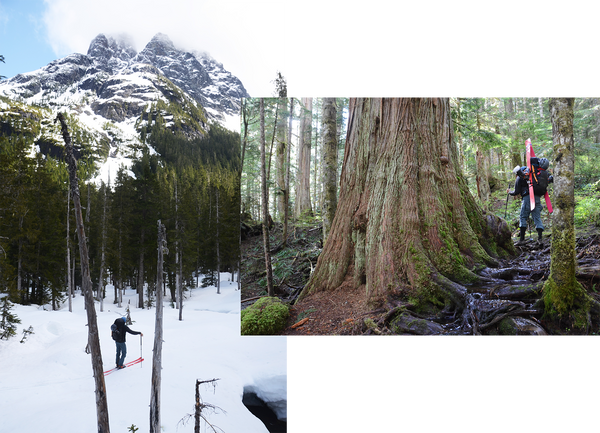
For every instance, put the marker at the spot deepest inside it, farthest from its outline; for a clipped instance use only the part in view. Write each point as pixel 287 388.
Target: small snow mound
pixel 54 328
pixel 273 391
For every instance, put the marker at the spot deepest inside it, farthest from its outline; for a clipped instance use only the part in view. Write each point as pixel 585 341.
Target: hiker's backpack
pixel 539 175
pixel 116 333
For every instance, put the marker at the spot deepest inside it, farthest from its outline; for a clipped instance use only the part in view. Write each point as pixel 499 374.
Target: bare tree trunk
pixel 178 258
pixel 120 282
pixel 158 335
pixel 218 249
pixel 286 193
pixel 563 294
pixel 482 161
pixel 329 164
pixel 69 286
pixel 303 204
pixel 140 287
pixel 280 160
pixel 102 254
pixel 265 200
pixel 93 337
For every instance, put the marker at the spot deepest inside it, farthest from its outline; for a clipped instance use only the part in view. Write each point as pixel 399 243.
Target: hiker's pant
pixel 535 213
pixel 121 352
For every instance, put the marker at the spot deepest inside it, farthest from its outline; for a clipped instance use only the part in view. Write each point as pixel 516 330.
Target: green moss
pixel 564 297
pixel 267 316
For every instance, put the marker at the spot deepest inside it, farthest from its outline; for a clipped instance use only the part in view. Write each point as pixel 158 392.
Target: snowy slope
pixel 46 384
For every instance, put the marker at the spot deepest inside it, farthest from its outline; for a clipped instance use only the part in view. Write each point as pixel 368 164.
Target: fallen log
pixel 588 272
pixel 517 292
pixel 300 323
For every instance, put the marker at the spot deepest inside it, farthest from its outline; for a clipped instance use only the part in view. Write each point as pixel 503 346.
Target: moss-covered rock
pixel 267 316
pixel 405 323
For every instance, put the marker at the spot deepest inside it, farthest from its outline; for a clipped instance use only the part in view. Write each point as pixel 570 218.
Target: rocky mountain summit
pixel 113 97
pixel 117 82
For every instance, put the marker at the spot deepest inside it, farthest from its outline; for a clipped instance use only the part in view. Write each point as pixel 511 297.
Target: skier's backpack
pixel 116 333
pixel 539 175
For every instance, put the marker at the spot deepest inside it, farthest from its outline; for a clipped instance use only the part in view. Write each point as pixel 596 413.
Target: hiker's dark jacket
pixel 123 328
pixel 521 187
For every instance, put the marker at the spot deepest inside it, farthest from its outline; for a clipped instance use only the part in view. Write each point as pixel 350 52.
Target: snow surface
pixel 46 383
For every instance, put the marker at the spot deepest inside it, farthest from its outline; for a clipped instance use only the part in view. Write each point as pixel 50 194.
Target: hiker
pixel 522 188
pixel 118 331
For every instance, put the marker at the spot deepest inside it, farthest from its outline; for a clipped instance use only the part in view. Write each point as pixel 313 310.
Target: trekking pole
pixel 506 210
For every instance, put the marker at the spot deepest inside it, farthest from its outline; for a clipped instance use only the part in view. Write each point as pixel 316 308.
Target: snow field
pixel 47 384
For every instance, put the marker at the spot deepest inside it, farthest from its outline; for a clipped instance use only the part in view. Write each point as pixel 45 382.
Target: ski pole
pixel 142 361
pixel 506 210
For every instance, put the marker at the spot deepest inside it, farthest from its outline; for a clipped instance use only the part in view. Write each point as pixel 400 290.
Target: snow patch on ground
pixel 46 383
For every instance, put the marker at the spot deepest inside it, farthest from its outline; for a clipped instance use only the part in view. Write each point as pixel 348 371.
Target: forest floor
pixel 342 312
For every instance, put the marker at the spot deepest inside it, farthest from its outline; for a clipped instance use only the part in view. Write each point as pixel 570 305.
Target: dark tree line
pixel 191 185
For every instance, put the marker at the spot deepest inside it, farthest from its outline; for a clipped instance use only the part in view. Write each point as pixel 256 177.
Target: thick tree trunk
pixel 93 337
pixel 406 222
pixel 329 164
pixel 303 204
pixel 563 295
pixel 280 153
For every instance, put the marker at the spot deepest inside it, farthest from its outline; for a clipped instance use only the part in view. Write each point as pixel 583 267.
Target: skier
pixel 119 329
pixel 522 188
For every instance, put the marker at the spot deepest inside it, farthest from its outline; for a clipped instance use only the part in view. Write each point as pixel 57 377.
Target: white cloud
pixel 236 34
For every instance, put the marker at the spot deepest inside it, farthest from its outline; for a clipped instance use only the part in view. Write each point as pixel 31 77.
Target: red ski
pixel 531 154
pixel 528 155
pixel 129 364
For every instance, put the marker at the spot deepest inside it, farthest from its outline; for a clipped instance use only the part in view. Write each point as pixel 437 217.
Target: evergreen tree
pixel 8 320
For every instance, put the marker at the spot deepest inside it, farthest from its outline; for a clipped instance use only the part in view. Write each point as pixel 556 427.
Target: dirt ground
pixel 342 311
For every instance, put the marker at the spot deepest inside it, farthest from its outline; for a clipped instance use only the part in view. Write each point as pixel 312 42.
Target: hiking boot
pixel 521 240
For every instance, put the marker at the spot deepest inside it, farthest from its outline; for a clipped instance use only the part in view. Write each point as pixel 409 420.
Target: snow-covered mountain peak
pixel 110 54
pixel 117 94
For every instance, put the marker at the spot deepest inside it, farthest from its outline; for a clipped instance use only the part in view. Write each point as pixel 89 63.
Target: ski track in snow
pixel 47 384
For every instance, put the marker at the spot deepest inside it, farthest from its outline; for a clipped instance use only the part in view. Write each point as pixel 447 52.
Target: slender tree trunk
pixel 20 258
pixel 286 193
pixel 120 293
pixel 265 200
pixel 405 222
pixel 482 161
pixel 178 258
pixel 329 164
pixel 102 254
pixel 563 294
pixel 93 337
pixel 158 335
pixel 218 246
pixel 140 287
pixel 69 286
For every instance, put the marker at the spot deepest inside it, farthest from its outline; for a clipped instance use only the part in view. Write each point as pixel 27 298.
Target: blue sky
pixel 23 40
pixel 35 32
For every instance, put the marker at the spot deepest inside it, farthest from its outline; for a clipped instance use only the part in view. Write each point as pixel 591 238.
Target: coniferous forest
pixel 458 230
pixel 190 184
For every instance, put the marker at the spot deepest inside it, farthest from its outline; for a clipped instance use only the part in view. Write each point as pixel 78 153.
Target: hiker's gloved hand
pixel 550 179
